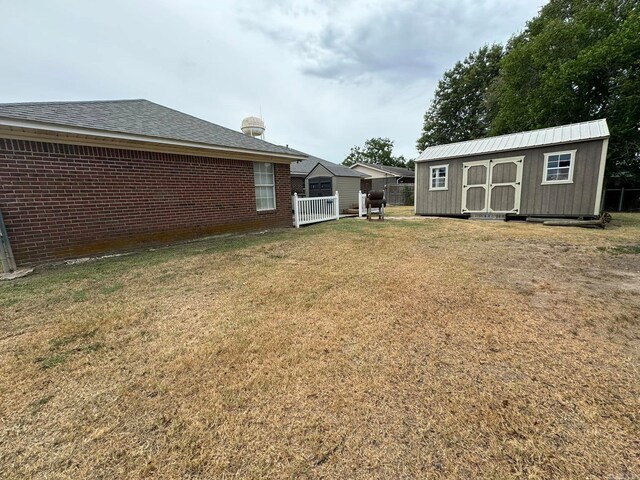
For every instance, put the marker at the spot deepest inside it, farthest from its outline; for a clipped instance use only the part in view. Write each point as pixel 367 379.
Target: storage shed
pixel 554 172
pixel 323 178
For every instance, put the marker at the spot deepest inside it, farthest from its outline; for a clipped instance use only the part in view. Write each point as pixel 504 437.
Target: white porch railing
pixel 315 209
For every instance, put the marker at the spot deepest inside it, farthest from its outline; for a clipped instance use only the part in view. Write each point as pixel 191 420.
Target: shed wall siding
pixel 574 199
pixel 66 201
pixel 318 171
pixel 439 202
pixel 348 188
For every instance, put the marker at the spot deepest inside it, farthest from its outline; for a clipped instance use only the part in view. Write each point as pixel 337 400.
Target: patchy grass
pixel 628 249
pixel 403 349
pixel 50 361
pixel 36 406
pixel 404 211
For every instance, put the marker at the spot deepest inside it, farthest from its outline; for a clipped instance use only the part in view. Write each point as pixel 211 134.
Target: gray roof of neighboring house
pixel 395 171
pixel 593 130
pixel 138 117
pixel 303 167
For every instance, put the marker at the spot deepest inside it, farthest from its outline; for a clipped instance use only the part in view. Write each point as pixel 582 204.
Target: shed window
pixel 558 167
pixel 265 186
pixel 439 177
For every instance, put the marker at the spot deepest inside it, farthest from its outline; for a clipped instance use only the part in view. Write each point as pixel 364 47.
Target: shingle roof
pixel 303 167
pixel 575 132
pixel 396 171
pixel 138 117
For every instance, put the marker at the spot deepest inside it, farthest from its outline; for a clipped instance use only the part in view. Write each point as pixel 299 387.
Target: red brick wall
pixel 65 201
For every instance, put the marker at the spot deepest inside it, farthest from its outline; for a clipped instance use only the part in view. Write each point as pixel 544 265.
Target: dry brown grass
pixel 399 211
pixel 493 350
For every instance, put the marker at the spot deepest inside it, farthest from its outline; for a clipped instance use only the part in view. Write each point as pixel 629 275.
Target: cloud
pixel 327 75
pixel 400 41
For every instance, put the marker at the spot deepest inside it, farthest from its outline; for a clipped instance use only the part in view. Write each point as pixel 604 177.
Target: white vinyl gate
pixel 315 209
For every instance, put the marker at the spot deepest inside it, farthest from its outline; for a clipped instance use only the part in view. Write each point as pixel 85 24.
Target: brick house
pixel 84 178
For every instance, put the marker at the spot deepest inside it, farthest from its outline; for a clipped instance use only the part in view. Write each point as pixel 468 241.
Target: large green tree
pixel 376 150
pixel 460 110
pixel 578 60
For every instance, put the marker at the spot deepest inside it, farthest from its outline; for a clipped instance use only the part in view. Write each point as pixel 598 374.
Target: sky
pixel 324 75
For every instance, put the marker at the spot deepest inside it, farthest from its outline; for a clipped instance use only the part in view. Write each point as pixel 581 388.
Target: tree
pixel 459 110
pixel 375 150
pixel 578 60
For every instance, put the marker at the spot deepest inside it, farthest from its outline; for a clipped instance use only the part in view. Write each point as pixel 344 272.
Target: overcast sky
pixel 326 75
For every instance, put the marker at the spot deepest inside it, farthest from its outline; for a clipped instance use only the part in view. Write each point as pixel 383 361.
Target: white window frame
pixel 446 177
pixel 571 167
pixel 272 185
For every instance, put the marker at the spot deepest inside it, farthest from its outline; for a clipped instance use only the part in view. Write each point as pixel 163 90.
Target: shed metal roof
pixel 574 132
pixel 138 117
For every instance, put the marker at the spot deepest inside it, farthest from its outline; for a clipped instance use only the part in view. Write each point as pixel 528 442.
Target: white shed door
pixel 492 185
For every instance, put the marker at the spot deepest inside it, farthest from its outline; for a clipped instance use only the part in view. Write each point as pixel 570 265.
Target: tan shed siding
pixel 504 173
pixel 439 202
pixel 577 198
pixel 348 188
pixel 572 199
pixel 317 171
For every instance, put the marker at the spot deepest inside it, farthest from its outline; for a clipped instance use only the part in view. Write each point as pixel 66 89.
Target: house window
pixel 439 177
pixel 558 167
pixel 265 186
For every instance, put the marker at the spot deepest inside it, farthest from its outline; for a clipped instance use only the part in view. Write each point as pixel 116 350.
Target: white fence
pixel 362 209
pixel 314 209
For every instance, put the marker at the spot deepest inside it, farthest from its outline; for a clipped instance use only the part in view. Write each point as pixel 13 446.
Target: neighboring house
pixel 382 175
pixel 84 178
pixel 554 172
pixel 316 177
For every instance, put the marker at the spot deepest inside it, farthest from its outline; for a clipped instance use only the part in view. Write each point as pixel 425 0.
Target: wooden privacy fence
pixel 400 194
pixel 315 209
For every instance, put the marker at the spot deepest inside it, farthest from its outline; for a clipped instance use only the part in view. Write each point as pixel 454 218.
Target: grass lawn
pixel 403 349
pixel 402 211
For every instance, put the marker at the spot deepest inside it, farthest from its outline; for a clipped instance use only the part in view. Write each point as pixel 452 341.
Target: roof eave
pixel 42 131
pixel 376 169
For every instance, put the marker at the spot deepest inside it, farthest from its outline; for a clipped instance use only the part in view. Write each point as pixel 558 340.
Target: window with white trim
pixel 265 186
pixel 558 167
pixel 439 177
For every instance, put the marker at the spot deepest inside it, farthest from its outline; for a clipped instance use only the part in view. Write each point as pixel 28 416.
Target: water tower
pixel 253 126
